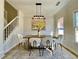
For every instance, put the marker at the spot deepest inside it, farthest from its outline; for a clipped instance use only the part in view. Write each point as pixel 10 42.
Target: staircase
pixel 10 27
pixel 10 35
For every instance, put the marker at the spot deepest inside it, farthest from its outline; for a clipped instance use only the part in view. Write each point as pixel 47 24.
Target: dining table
pixel 35 36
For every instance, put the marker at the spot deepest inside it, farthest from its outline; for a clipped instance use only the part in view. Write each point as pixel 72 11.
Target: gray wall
pixel 69 31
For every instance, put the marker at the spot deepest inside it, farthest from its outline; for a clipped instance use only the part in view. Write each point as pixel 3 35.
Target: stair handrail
pixel 10 23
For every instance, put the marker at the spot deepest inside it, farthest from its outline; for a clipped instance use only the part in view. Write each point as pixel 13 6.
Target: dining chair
pixel 34 44
pixel 59 41
pixel 30 48
pixel 21 40
pixel 41 49
pixel 51 45
pixel 48 44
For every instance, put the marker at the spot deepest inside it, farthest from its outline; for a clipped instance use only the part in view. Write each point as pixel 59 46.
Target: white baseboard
pixel 1 56
pixel 11 47
pixel 70 50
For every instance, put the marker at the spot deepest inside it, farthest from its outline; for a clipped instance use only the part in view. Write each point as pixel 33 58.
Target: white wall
pixel 21 22
pixel 28 30
pixel 12 40
pixel 69 30
pixel 1 26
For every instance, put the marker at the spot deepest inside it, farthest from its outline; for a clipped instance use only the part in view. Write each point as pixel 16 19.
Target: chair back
pixel 20 36
pixel 48 43
pixel 41 45
pixel 34 43
pixel 60 38
pixel 53 44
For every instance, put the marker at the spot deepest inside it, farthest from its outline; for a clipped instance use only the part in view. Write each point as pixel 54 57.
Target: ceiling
pixel 29 8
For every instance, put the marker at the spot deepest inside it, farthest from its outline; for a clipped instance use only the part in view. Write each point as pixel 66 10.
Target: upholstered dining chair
pixel 20 39
pixel 61 38
pixel 59 41
pixel 48 44
pixel 34 44
pixel 41 49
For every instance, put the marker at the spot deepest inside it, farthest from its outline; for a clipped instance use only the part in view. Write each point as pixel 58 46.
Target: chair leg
pixel 61 46
pixel 30 52
pixel 39 52
pixel 42 52
pixel 19 44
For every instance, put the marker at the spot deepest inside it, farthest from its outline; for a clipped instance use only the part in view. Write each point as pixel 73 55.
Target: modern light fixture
pixel 38 19
pixel 38 13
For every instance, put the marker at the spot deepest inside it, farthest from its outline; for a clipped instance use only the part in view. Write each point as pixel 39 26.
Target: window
pixel 75 20
pixel 75 23
pixel 60 26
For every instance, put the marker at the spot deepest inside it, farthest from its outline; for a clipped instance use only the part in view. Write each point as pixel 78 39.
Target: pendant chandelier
pixel 40 19
pixel 38 13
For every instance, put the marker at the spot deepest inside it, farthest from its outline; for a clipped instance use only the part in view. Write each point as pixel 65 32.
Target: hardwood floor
pixel 21 53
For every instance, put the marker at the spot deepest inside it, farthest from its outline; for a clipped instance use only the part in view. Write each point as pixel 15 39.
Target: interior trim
pixel 70 51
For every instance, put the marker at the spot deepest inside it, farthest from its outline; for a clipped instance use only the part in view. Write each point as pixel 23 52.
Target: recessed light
pixel 57 4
